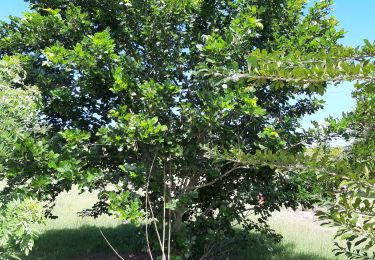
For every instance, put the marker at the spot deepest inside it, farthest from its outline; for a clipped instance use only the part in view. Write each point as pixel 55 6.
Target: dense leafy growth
pixel 184 112
pixel 16 227
pixel 18 127
pixel 354 207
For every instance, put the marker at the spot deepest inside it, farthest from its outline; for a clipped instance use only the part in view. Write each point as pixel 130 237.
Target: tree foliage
pixel 16 227
pixel 350 172
pixel 18 125
pixel 353 210
pixel 190 107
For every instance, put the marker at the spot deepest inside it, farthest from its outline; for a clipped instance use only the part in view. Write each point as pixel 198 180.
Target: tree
pixel 18 125
pixel 140 95
pixel 353 209
pixel 349 172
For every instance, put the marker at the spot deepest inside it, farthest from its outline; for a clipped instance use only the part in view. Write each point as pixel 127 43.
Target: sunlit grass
pixel 68 205
pixel 302 229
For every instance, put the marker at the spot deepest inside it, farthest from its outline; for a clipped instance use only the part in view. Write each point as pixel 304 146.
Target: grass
pixel 303 238
pixel 73 237
pixel 85 242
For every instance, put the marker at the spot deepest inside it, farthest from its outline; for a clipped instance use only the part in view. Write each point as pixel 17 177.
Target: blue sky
pixel 356 17
pixel 11 7
pixel 358 20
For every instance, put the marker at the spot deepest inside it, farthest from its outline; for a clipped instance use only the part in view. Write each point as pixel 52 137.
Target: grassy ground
pixel 73 237
pixel 303 239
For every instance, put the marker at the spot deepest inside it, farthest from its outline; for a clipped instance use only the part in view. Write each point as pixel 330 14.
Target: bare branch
pixel 147 200
pixel 109 244
pixel 218 178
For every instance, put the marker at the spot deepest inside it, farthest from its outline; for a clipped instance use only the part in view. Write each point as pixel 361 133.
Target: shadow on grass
pixel 86 243
pixel 258 247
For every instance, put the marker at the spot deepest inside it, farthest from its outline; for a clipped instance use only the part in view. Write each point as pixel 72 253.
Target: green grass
pixel 303 238
pixel 73 237
pixel 85 242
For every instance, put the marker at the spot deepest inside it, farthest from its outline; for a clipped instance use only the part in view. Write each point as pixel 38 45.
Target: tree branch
pixel 218 178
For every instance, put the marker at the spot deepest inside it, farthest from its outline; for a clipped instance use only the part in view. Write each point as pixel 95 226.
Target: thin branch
pixel 148 203
pixel 169 215
pixel 218 178
pixel 207 252
pixel 238 76
pixel 156 228
pixel 109 244
pixel 312 61
pixel 298 166
pixel 164 202
pixel 147 184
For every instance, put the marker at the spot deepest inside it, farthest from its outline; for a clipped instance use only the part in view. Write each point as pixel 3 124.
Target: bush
pixel 17 233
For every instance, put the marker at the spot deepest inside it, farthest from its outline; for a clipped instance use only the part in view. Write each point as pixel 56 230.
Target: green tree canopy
pixel 139 94
pixel 18 125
